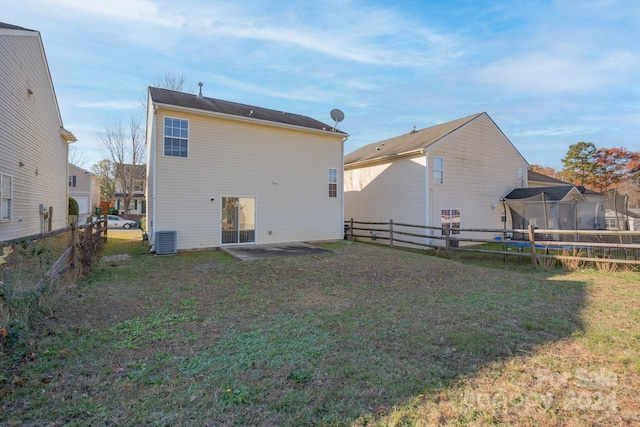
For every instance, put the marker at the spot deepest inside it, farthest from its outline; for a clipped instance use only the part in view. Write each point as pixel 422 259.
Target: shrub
pixel 73 206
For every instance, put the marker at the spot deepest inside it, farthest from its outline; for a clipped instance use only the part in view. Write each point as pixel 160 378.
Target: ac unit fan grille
pixel 166 242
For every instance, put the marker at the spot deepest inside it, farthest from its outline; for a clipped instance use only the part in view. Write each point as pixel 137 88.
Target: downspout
pixel 342 157
pixel 426 193
pixel 154 190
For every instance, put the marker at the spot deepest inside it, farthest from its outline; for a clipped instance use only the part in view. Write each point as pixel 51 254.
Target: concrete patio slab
pixel 253 252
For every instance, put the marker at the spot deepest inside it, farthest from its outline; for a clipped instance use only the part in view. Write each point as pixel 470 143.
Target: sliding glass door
pixel 238 220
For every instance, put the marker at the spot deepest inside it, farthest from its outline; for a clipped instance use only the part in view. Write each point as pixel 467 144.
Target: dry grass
pixel 363 336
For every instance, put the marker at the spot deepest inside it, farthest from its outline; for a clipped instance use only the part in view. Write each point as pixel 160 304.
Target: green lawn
pixel 365 335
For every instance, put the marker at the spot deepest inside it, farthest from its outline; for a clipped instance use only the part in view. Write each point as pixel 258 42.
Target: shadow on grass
pixel 200 339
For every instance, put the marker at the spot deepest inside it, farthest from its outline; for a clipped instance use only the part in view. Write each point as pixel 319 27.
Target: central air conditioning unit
pixel 166 242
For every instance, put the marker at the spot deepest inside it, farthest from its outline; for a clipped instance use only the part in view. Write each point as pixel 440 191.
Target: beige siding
pixel 389 190
pixel 480 167
pixel 31 135
pixel 285 170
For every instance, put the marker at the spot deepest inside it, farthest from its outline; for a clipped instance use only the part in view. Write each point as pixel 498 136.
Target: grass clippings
pixel 365 335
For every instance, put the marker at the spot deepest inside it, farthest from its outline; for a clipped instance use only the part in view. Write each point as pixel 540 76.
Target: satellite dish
pixel 337 117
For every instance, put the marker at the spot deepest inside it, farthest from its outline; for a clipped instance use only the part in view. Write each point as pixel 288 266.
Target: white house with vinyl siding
pixel 221 173
pixel 455 173
pixel 33 141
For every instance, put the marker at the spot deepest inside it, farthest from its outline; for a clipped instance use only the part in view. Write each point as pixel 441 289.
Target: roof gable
pixel 249 112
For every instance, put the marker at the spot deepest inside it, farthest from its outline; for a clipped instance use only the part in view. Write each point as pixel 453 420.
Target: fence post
pixel 351 236
pixel 74 243
pixel 447 236
pixel 532 243
pixel 391 233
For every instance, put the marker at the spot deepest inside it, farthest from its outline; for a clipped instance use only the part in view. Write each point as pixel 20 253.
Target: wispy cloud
pixel 110 105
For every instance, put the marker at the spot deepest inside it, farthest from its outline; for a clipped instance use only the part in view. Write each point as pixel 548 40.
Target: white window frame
pixel 6 197
pixel 175 137
pixel 438 172
pixel 333 182
pixel 450 215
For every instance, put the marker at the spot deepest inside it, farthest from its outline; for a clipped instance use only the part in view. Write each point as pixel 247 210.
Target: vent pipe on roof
pixel 200 94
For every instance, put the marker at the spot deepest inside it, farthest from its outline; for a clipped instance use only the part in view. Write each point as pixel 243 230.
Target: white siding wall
pixel 480 167
pixel 239 159
pixel 389 190
pixel 30 134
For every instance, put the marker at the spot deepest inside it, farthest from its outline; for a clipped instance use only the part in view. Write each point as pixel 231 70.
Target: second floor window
pixel 176 137
pixel 438 170
pixel 72 180
pixel 6 196
pixel 333 182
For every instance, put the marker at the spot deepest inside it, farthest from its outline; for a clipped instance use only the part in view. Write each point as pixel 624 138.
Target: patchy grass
pixel 365 335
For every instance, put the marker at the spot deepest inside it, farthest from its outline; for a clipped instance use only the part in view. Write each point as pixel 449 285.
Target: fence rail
pixel 590 246
pixel 83 243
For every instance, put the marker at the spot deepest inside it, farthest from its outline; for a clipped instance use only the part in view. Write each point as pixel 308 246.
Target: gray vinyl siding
pixel 30 133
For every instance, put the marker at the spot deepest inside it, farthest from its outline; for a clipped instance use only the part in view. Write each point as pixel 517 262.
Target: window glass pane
pixel 5 209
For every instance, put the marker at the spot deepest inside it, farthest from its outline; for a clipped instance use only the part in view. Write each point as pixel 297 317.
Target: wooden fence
pixel 597 246
pixel 84 243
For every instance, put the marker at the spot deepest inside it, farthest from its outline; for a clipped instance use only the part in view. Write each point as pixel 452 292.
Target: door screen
pixel 238 220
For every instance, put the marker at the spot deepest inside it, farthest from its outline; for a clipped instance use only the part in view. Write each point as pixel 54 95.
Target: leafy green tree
pixel 580 163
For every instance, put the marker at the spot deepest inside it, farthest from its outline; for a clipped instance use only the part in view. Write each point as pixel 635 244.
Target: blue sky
pixel 549 73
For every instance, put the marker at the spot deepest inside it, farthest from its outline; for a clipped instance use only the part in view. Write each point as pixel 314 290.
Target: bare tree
pixel 105 172
pixel 169 80
pixel 123 145
pixel 76 157
pixel 172 81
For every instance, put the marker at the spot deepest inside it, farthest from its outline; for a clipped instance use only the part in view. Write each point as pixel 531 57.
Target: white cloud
pixel 110 105
pixel 554 72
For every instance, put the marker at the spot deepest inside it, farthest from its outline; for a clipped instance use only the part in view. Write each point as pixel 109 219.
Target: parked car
pixel 117 222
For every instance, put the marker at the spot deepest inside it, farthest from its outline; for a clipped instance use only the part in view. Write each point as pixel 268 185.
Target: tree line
pixel 599 169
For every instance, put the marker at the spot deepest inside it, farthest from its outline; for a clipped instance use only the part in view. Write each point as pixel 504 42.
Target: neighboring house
pixel 135 176
pixel 564 209
pixel 541 180
pixel 222 173
pixel 84 187
pixel 33 141
pixel 454 174
pixel 617 214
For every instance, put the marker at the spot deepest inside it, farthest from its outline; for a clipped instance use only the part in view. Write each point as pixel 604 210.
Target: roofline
pixel 342 135
pixel 33 33
pixel 387 157
pixel 484 113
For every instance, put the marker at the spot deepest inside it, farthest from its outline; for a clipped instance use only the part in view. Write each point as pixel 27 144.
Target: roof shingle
pixel 412 141
pixel 180 99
